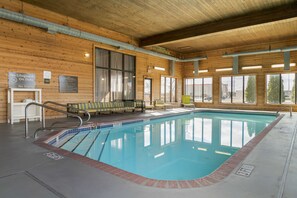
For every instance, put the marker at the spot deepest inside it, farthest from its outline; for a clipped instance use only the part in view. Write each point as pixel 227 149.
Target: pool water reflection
pixel 177 148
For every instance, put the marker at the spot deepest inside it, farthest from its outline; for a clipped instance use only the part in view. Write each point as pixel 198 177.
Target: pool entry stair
pixel 46 105
pixel 86 143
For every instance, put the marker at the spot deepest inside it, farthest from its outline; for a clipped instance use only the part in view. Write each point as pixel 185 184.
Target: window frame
pixel 243 85
pixel 171 77
pixel 193 80
pixel 109 69
pixel 280 73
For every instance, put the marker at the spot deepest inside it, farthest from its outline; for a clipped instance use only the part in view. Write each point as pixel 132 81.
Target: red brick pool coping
pixel 219 174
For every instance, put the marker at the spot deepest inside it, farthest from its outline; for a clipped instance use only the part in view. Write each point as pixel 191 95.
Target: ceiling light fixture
pixel 282 65
pixel 159 68
pixel 224 69
pixel 252 67
pixel 201 71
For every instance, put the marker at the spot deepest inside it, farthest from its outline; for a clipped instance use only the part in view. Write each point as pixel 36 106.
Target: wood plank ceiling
pixel 148 19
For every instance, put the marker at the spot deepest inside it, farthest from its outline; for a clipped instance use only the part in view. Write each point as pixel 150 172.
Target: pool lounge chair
pixel 186 101
pixel 159 104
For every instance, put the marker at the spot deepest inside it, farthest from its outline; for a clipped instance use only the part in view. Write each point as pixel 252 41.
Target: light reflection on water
pixel 178 148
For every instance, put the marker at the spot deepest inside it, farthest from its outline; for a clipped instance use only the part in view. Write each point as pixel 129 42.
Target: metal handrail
pixel 283 108
pixel 43 117
pixel 63 105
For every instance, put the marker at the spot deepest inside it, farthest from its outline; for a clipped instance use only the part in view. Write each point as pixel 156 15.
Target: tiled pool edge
pixel 219 174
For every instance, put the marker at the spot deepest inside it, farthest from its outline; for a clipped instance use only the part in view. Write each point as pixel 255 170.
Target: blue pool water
pixel 175 148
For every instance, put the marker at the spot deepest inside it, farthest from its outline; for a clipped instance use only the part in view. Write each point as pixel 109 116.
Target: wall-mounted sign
pixel 21 80
pixel 47 75
pixel 68 84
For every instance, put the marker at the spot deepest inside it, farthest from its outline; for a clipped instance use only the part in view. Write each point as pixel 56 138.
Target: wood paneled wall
pixel 26 49
pixel 215 60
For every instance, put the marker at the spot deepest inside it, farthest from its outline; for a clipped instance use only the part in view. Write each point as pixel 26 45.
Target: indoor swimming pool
pixel 181 147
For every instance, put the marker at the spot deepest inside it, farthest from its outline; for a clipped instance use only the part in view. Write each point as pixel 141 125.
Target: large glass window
pixel 280 88
pixel 128 86
pixel 115 76
pixel 116 85
pixel 102 85
pixel 189 88
pixel 250 89
pixel 207 89
pixel 199 89
pixel 163 88
pixel 226 89
pixel 168 89
pixel 237 93
pixel 238 89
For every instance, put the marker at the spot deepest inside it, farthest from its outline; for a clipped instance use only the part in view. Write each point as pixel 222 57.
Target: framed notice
pixel 21 80
pixel 68 84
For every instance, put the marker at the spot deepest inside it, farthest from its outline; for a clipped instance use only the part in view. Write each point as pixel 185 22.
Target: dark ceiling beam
pixel 241 21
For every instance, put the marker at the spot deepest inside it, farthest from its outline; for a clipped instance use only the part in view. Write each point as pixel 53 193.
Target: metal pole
pixel 26 123
pixel 43 117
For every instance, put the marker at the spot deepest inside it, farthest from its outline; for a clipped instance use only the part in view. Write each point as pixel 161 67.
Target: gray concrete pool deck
pixel 26 172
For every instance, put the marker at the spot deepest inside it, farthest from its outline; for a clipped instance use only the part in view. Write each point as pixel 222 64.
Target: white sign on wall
pixel 47 74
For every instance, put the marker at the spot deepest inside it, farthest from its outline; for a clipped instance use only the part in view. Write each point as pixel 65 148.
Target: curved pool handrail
pixel 43 117
pixel 63 105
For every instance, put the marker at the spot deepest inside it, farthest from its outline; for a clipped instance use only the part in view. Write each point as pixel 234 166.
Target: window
pixel 199 89
pixel 238 89
pixel 280 88
pixel 115 76
pixel 189 88
pixel 226 89
pixel 168 89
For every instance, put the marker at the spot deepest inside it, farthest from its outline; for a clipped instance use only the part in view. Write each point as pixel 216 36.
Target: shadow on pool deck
pixel 26 172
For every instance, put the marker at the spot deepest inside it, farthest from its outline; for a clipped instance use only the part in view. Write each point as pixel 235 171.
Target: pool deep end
pixel 212 176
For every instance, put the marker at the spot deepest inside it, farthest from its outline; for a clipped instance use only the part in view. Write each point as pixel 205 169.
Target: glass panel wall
pixel 250 89
pixel 280 88
pixel 238 89
pixel 288 88
pixel 129 86
pixel 207 89
pixel 168 89
pixel 115 76
pixel 116 60
pixel 189 88
pixel 102 85
pixel 199 89
pixel 226 89
pixel 116 85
